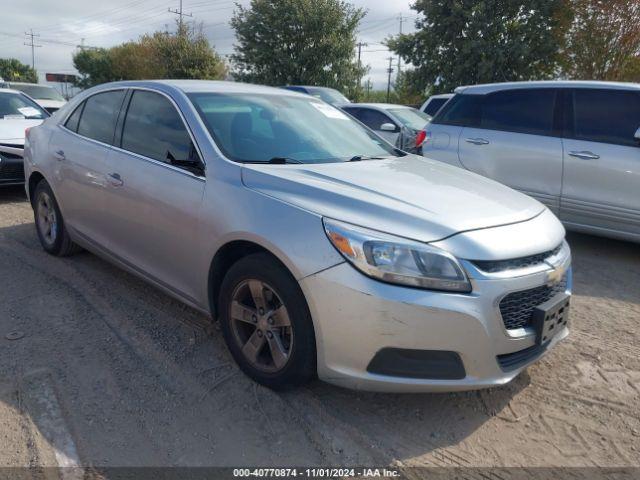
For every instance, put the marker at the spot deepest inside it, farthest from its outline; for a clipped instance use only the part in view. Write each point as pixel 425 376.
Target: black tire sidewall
pixel 301 366
pixel 56 247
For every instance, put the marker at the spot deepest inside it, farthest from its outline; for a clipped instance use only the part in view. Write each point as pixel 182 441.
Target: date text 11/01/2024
pixel 315 472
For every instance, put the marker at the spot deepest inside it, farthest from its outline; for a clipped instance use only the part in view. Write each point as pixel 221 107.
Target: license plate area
pixel 550 317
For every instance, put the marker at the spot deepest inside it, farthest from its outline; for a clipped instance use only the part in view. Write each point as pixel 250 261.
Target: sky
pixel 62 25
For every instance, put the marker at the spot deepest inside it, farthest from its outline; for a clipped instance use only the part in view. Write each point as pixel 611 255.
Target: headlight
pixel 397 260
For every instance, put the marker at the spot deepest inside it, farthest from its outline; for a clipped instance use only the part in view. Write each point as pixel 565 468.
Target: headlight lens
pixel 397 260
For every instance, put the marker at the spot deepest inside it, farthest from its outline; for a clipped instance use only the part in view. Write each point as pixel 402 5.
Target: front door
pixel 154 195
pixel 516 143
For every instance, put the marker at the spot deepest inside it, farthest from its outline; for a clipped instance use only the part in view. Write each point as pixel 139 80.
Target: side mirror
pixel 388 127
pixel 637 134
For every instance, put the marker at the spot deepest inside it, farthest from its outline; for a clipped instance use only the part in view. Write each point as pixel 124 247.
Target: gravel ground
pixel 111 372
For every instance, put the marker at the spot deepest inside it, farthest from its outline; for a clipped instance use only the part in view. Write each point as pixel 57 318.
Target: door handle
pixel 115 179
pixel 477 141
pixel 585 155
pixel 59 155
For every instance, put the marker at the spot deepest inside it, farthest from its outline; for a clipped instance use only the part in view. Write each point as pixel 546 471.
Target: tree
pixel 303 42
pixel 462 42
pixel 603 42
pixel 186 55
pixel 12 70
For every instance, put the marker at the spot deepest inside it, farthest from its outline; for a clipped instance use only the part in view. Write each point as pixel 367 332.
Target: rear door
pixel 80 148
pixel 155 192
pixel 518 143
pixel 602 160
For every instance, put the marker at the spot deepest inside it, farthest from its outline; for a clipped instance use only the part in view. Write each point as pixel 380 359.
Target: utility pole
pixel 389 71
pixel 401 19
pixel 180 14
pixel 360 45
pixel 33 46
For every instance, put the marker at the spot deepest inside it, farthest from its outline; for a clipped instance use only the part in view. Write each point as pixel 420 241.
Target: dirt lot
pixel 111 372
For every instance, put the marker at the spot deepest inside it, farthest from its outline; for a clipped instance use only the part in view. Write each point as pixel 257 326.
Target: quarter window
pixel 154 128
pixel 99 116
pixel 74 119
pixel 609 116
pixel 522 111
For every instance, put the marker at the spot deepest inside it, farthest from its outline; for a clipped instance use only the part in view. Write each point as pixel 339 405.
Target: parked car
pixel 17 113
pixel 399 125
pixel 319 247
pixel 46 96
pixel 434 103
pixel 329 95
pixel 575 146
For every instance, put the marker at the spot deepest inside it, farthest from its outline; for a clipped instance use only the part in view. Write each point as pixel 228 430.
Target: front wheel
pixel 52 233
pixel 266 323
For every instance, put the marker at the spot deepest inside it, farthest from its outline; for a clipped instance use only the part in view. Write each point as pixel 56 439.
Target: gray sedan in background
pixel 321 249
pixel 399 125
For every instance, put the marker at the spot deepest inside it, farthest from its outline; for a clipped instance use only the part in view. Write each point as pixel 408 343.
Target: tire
pixel 52 233
pixel 284 355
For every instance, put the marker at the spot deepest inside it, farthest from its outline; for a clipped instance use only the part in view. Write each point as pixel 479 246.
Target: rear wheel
pixel 266 323
pixel 52 233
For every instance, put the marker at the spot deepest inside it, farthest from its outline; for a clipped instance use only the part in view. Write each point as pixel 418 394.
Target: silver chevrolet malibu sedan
pixel 321 249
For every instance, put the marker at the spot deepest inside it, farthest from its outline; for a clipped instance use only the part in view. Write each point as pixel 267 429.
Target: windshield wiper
pixel 276 161
pixel 359 158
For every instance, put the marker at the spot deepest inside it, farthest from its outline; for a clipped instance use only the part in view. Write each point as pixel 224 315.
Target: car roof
pixel 380 106
pixel 9 90
pixel 495 87
pixel 200 86
pixel 28 84
pixel 441 95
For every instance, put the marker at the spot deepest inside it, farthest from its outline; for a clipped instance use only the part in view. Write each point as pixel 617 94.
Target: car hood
pixel 12 130
pixel 412 196
pixel 44 103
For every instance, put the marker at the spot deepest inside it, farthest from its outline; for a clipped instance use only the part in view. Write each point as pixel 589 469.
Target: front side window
pixel 371 118
pixel 521 111
pixel 434 105
pixel 18 106
pixel 261 127
pixel 609 116
pixel 99 116
pixel 462 110
pixel 154 128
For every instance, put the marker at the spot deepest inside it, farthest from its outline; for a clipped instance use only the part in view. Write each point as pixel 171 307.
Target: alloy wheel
pixel 47 219
pixel 261 325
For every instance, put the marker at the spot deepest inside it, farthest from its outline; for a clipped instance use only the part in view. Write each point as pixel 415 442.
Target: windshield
pixel 17 106
pixel 410 117
pixel 329 95
pixel 262 127
pixel 39 92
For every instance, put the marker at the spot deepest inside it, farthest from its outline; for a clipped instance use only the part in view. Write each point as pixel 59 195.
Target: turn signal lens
pixel 342 244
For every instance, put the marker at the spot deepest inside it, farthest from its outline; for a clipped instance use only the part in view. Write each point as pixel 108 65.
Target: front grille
pixel 517 307
pixel 511 361
pixel 11 171
pixel 492 266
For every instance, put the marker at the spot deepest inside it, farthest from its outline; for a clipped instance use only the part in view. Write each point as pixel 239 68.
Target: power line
pixel 33 46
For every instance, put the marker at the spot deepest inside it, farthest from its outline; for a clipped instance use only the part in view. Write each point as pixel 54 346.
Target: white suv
pixel 575 146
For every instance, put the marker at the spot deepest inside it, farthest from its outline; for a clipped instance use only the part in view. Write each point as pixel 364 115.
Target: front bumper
pixel 356 317
pixel 11 165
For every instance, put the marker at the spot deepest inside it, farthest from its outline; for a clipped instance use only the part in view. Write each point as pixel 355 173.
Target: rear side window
pixel 461 110
pixel 74 119
pixel 608 116
pixel 521 111
pixel 154 128
pixel 99 116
